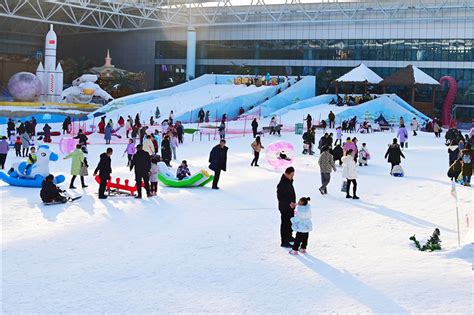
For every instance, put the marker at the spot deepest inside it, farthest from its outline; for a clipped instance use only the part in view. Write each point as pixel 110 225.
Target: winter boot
pixel 293 252
pixel 302 250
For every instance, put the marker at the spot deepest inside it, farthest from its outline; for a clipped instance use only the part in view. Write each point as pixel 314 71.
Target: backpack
pixel 466 158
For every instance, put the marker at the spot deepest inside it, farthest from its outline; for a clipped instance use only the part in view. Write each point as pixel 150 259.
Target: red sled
pixel 119 188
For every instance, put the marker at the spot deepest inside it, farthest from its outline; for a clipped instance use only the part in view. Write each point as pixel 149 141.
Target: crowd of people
pixel 151 144
pixel 351 100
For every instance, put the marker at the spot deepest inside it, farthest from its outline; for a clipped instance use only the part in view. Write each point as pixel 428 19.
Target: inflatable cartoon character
pixel 34 176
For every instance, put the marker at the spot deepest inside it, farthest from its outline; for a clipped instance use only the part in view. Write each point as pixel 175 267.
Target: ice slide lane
pixel 156 94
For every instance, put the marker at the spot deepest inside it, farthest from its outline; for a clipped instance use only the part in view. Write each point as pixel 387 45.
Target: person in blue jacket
pixel 218 161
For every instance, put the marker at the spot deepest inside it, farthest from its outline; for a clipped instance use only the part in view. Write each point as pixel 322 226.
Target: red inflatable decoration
pixel 449 100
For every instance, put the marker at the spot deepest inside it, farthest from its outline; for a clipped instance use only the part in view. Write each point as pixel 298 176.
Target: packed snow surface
pixel 200 250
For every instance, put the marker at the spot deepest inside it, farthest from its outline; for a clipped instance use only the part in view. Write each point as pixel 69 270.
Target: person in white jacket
pixel 349 172
pixel 148 146
pixel 364 155
pixel 302 225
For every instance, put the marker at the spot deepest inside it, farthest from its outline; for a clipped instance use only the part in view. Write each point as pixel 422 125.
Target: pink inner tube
pixel 274 150
pixel 67 145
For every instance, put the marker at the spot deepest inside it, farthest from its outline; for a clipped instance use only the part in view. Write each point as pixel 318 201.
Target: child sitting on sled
pixel 50 192
pixel 183 170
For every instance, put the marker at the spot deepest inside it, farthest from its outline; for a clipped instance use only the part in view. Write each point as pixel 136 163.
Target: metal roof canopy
pixel 78 16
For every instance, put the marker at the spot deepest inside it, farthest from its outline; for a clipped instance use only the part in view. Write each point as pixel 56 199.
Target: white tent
pixel 423 78
pixel 360 75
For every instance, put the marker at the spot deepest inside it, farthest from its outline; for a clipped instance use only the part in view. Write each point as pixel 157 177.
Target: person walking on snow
pixel 166 150
pixel 364 155
pixel 47 133
pixel 332 119
pixel 4 148
pixel 302 225
pixel 174 144
pixel 154 175
pixel 104 169
pixel 148 145
pixel 326 165
pixel 394 154
pixel 78 161
pixel 349 172
pixel 414 126
pixel 108 133
pixel 286 204
pixel 142 164
pixel 467 156
pixel 218 161
pixel 338 136
pixel 130 150
pixel 257 147
pixel 254 127
pixel 402 135
pixel 25 143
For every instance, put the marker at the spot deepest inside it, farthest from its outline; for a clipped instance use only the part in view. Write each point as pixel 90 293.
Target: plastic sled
pixel 167 178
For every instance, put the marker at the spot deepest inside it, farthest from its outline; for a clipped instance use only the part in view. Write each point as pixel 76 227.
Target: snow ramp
pixel 301 90
pixel 311 102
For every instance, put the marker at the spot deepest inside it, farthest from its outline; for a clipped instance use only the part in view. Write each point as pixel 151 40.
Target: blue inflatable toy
pixel 34 176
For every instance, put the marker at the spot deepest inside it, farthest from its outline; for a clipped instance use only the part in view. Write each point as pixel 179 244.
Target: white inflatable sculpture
pixel 83 89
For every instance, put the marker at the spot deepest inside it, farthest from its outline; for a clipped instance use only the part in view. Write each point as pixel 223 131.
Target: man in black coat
pixel 143 133
pixel 218 160
pixel 82 140
pixel 104 169
pixel 142 163
pixel 166 150
pixel 10 127
pixel 254 127
pixel 286 204
pixel 394 154
pixel 180 131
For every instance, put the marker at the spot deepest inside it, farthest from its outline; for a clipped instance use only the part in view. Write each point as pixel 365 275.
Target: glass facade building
pixel 408 50
pixel 440 45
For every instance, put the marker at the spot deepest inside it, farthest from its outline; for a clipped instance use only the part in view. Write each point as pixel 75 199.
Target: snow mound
pixel 382 105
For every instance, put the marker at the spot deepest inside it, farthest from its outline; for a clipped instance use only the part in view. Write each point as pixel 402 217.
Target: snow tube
pixel 28 182
pixel 280 154
pixel 67 145
pixel 167 178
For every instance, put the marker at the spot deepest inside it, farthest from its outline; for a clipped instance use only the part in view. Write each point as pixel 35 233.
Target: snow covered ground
pixel 199 250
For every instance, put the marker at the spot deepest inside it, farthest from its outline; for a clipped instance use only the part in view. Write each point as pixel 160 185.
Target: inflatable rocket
pixel 51 76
